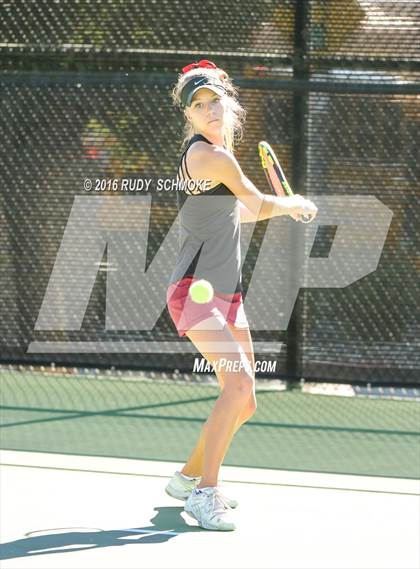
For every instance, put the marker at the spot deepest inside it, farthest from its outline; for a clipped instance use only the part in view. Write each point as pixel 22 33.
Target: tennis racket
pixel 275 175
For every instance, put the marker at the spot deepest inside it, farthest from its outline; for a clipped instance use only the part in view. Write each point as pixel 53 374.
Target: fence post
pixel 298 175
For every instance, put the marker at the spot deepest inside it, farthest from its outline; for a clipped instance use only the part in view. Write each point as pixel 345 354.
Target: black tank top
pixel 209 233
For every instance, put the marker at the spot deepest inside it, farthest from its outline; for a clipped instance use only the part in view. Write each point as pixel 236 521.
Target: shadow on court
pixel 166 524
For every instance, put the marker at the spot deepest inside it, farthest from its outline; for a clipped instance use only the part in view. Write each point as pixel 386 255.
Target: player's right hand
pixel 300 206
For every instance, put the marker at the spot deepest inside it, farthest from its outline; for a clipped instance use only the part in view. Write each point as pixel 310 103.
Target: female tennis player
pixel 210 216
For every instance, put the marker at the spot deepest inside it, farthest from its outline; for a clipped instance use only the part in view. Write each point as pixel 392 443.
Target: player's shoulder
pixel 201 150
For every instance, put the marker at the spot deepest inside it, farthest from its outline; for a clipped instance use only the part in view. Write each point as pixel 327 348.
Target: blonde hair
pixel 234 113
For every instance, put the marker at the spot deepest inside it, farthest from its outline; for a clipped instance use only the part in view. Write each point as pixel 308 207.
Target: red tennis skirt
pixel 186 313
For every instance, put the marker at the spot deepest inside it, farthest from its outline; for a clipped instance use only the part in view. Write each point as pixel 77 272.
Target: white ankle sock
pixel 190 477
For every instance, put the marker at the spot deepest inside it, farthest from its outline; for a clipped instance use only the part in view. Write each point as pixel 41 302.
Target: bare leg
pixel 196 462
pixel 220 428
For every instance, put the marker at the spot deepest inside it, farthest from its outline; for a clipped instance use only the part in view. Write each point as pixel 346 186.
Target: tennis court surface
pixel 64 511
pixel 322 481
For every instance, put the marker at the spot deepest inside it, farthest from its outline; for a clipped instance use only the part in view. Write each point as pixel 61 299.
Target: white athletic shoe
pixel 210 508
pixel 180 487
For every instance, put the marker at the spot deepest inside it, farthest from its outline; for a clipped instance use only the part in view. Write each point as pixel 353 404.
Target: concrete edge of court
pixel 122 466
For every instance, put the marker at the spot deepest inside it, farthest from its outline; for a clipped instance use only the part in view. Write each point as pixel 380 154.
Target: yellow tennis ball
pixel 201 291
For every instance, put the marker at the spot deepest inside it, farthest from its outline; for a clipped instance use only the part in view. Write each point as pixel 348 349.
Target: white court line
pixel 151 532
pixel 228 473
pixel 128 530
